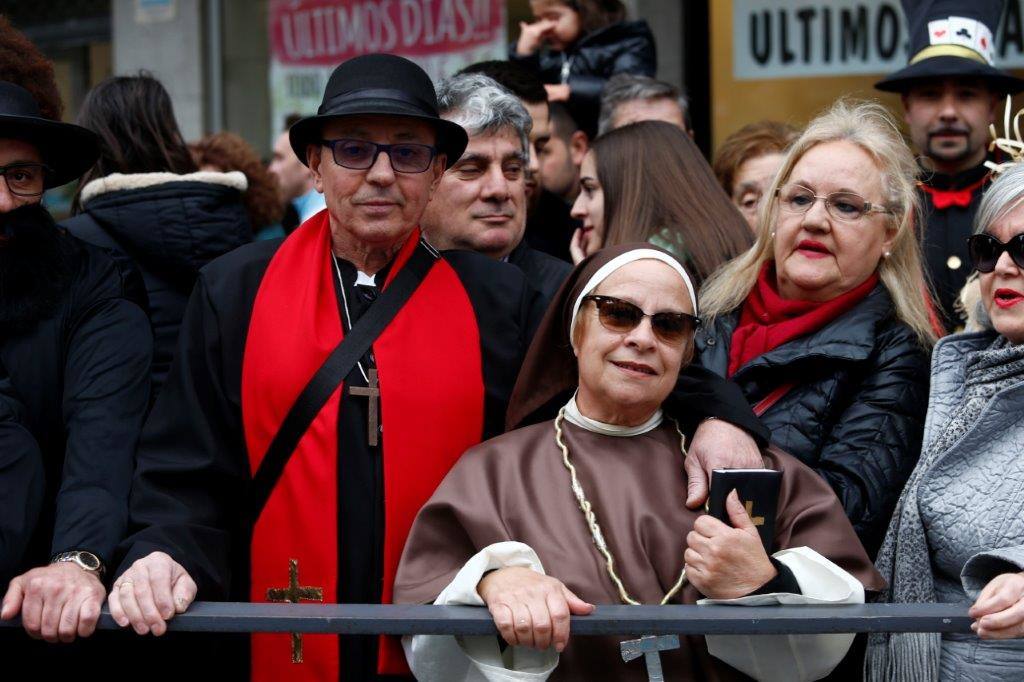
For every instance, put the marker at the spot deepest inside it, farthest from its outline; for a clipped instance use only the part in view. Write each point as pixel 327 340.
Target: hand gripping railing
pixel 363 619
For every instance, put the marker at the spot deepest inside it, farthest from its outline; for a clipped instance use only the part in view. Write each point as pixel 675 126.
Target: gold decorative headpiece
pixel 1012 147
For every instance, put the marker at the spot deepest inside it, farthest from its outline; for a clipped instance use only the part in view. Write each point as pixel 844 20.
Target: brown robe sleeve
pixel 811 515
pixel 460 518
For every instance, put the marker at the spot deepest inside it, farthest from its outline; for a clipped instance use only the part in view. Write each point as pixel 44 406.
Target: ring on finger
pixel 125 583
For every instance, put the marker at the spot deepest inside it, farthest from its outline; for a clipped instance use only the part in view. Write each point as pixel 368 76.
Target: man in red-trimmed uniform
pixel 323 386
pixel 951 92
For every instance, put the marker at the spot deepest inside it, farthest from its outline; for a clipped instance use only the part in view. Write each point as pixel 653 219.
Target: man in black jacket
pixel 480 204
pixel 951 93
pixel 21 481
pixel 549 226
pixel 78 353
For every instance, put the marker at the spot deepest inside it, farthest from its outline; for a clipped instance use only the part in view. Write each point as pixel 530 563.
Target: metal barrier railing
pixel 365 619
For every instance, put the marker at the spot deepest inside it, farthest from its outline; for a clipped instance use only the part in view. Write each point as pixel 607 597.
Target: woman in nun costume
pixel 548 520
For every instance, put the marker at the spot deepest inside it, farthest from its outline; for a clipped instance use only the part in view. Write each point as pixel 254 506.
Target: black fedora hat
pixel 379 84
pixel 951 38
pixel 68 150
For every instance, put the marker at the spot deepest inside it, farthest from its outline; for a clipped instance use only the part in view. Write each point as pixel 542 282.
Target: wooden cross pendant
pixel 373 393
pixel 757 520
pixel 292 595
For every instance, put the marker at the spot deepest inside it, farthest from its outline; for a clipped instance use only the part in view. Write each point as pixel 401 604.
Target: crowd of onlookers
pixel 831 265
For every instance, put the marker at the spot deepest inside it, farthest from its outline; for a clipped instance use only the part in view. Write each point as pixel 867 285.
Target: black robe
pixel 192 476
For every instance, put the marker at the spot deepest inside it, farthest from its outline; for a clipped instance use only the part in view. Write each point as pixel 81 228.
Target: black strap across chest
pixel 333 371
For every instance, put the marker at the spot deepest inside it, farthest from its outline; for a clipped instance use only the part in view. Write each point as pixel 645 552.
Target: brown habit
pixel 515 487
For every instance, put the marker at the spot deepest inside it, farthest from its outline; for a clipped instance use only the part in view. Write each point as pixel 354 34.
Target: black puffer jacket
pixel 169 226
pixel 626 47
pixel 856 413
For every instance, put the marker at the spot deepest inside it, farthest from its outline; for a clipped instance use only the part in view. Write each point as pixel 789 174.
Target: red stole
pixel 432 395
pixel 767 320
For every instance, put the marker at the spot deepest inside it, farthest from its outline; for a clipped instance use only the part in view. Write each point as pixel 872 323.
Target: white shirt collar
pixel 574 416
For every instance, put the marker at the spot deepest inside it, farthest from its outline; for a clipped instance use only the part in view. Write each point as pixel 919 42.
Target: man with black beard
pixel 951 93
pixel 77 350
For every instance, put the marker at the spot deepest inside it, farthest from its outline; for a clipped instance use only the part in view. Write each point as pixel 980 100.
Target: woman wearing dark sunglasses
pixel 958 535
pixel 824 322
pixel 587 508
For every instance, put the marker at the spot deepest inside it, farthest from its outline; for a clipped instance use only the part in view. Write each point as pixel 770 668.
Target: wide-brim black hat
pixel 380 84
pixel 951 67
pixel 951 38
pixel 69 150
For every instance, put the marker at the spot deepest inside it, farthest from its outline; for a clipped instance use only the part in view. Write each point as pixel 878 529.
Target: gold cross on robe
pixel 372 392
pixel 292 595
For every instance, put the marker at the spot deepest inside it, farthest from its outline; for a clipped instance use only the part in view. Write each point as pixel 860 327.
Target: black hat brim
pixel 451 137
pixel 946 67
pixel 69 150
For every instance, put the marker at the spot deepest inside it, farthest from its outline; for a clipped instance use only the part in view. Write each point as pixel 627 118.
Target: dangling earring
pixel 773 235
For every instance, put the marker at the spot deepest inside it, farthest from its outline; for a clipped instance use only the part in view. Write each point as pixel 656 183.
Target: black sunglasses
pixel 622 316
pixel 985 251
pixel 405 157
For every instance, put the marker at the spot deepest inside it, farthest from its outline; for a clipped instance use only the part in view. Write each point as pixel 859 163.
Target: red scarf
pixel 432 394
pixel 768 320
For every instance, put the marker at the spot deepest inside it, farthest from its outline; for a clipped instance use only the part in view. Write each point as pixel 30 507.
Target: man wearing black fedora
pixel 323 386
pixel 75 351
pixel 951 93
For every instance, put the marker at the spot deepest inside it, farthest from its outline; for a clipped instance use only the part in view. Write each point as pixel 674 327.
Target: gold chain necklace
pixel 591 518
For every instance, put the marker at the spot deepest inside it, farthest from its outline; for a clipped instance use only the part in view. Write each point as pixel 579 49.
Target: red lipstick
pixel 1007 298
pixel 809 248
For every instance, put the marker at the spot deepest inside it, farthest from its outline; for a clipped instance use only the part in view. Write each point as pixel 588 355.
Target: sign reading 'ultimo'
pixel 798 38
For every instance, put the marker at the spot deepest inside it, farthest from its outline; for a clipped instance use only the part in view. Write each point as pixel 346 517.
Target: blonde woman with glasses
pixel 824 323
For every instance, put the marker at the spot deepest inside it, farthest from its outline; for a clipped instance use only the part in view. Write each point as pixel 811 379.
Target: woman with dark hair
pixel 648 182
pixel 146 200
pixel 223 152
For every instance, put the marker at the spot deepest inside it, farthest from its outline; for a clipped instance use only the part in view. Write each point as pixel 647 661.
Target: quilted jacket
pixel 972 507
pixel 625 47
pixel 855 413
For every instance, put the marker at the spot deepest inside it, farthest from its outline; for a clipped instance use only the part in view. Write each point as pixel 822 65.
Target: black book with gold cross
pixel 758 490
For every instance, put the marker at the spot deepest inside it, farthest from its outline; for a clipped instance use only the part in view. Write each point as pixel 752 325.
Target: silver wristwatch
pixel 87 561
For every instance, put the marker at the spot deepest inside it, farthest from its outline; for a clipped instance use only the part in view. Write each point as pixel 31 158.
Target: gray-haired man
pixel 480 203
pixel 628 98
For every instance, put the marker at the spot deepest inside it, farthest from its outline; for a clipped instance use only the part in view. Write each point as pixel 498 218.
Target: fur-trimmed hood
pixel 167 222
pixel 116 182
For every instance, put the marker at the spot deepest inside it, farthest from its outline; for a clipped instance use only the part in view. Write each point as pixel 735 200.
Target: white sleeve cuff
pixel 446 658
pixel 792 657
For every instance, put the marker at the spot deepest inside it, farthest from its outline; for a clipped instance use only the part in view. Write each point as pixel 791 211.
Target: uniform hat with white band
pixel 952 38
